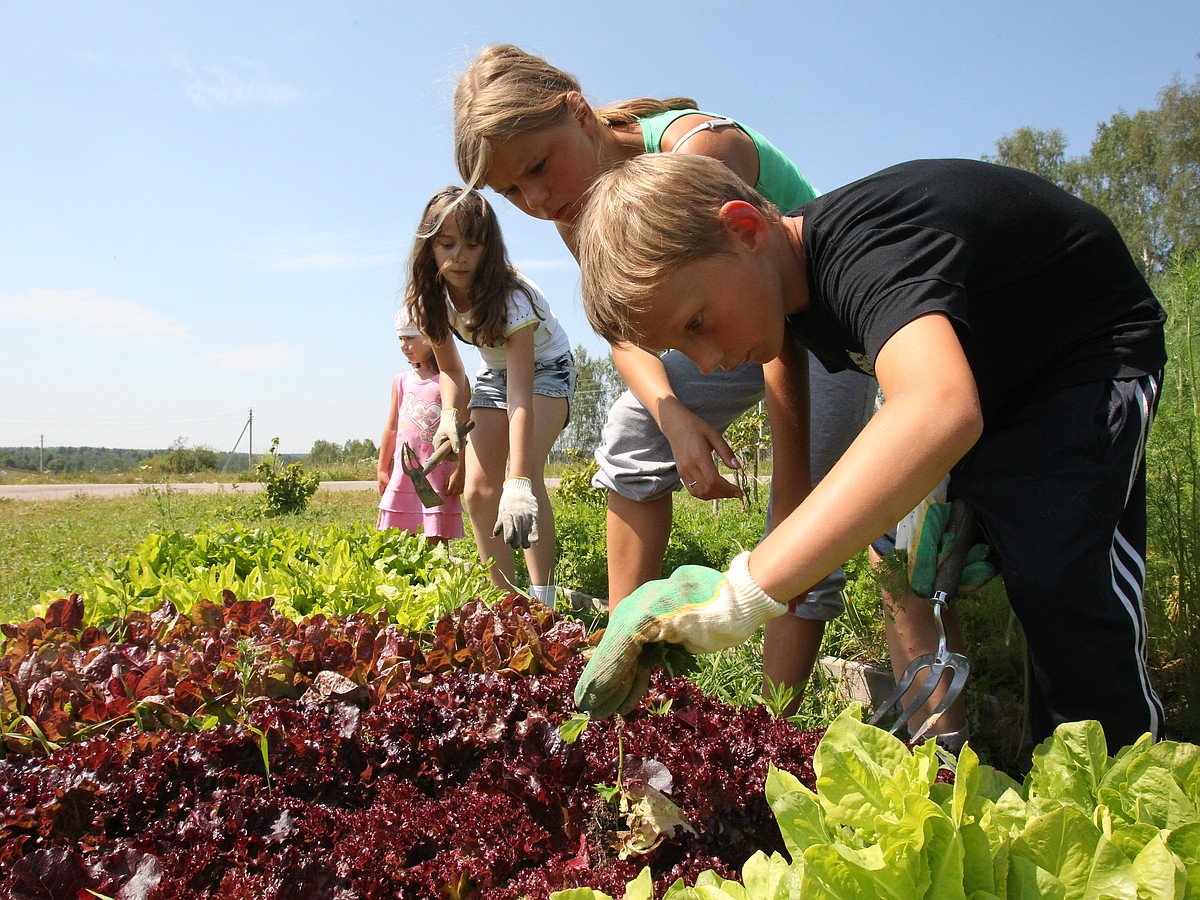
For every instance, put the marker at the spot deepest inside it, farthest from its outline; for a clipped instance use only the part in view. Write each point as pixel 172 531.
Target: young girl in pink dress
pixel 415 411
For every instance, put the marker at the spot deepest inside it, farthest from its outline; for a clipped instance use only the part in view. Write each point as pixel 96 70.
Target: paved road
pixel 66 491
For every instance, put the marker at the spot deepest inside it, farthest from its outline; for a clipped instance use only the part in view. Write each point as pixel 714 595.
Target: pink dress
pixel 420 406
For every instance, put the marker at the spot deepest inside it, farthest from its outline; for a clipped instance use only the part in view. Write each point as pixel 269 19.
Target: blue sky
pixel 206 208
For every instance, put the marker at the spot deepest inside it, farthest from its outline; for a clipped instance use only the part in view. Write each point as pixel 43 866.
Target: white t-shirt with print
pixel 527 306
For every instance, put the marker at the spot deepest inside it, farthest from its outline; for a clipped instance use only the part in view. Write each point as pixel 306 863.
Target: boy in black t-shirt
pixel 1015 342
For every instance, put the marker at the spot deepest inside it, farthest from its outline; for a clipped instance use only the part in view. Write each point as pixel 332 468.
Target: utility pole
pixel 250 451
pixel 41 452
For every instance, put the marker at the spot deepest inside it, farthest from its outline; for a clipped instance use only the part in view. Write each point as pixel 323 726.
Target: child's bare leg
pixel 790 647
pixel 487 459
pixel 912 631
pixel 637 531
pixel 549 416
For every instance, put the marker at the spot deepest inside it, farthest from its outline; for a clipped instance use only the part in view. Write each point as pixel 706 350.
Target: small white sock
pixel 542 592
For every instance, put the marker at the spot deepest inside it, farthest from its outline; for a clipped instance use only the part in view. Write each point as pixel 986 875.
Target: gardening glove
pixel 517 519
pixel 923 534
pixel 698 608
pixel 447 433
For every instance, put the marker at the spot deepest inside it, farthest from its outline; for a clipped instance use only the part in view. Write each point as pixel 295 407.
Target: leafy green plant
pixel 749 436
pixel 885 822
pixel 1173 506
pixel 288 489
pixel 333 571
pixel 575 486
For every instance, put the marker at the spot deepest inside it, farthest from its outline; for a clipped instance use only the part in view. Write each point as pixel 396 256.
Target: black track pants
pixel 1061 490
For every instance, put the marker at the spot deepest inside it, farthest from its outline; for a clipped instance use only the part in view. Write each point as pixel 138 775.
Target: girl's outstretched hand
pixel 693 443
pixel 518 515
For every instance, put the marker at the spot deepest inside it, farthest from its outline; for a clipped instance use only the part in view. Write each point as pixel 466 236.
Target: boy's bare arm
pixel 930 420
pixel 786 382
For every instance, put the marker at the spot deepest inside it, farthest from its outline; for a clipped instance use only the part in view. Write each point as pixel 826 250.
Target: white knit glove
pixel 448 433
pixel 517 518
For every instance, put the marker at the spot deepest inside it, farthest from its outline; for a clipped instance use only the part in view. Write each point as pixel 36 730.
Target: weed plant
pixel 288 487
pixel 1173 508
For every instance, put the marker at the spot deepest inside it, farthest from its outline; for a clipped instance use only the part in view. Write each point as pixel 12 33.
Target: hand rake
pixel 938 664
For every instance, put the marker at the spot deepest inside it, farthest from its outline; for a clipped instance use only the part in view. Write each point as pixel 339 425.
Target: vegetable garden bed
pixel 232 752
pixel 159 744
pixel 350 760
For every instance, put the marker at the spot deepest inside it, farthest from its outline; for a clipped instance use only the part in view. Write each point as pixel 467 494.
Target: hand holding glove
pixel 923 534
pixel 698 608
pixel 517 518
pixel 447 433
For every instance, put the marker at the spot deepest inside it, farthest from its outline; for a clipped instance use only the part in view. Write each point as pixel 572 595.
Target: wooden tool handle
pixel 949 573
pixel 443 451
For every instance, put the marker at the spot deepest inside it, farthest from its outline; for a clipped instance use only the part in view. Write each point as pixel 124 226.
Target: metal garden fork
pixel 937 664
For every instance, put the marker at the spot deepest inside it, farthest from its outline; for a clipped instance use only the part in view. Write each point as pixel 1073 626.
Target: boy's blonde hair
pixel 506 91
pixel 644 220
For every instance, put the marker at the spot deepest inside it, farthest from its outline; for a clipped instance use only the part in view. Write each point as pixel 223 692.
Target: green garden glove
pixel 923 533
pixel 698 608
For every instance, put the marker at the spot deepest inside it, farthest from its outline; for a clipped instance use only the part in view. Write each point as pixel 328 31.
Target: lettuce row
pixel 881 824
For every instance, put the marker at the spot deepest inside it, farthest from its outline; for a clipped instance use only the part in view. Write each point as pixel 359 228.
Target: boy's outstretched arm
pixel 930 420
pixel 785 379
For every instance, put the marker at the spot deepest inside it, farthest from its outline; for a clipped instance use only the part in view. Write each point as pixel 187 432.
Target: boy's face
pixel 719 311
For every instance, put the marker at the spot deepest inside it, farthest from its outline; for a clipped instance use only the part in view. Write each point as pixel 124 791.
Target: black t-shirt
pixel 1040 287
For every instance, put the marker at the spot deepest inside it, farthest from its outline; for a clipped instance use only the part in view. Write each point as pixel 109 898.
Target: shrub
pixel 1173 508
pixel 288 488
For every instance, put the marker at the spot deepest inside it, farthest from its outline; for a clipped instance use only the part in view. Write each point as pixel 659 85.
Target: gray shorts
pixel 552 378
pixel 635 457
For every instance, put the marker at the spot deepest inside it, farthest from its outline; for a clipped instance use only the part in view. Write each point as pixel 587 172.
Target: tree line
pixel 1142 169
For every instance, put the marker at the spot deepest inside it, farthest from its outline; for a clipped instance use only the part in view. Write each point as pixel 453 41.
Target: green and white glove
pixel 923 534
pixel 698 608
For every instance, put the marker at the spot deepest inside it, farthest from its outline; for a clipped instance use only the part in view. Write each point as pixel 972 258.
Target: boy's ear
pixel 745 223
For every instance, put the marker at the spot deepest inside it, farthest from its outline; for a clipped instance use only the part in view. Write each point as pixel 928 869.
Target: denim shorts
pixel 552 378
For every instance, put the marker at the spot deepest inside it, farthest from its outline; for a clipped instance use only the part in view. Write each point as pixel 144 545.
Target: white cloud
pixel 111 317
pixel 251 358
pixel 323 251
pixel 243 82
pixel 546 265
pixel 331 260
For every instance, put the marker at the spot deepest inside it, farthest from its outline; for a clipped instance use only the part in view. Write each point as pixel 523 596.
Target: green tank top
pixel 778 178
